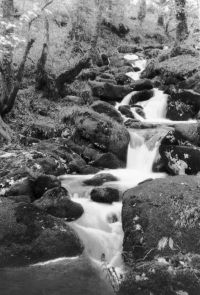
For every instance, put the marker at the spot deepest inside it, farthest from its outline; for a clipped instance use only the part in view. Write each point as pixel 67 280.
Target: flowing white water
pixel 100 226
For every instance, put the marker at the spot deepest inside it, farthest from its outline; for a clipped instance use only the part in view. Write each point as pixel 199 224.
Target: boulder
pixel 126 111
pixel 97 130
pixel 34 188
pixel 141 96
pixel 142 84
pixel 177 110
pixel 180 159
pixel 100 179
pixel 183 104
pixel 122 79
pixel 173 70
pixel 29 235
pixel 161 218
pixel 43 183
pixel 42 129
pixel 57 202
pixel 104 195
pixel 108 160
pixel 108 91
pixel 102 107
pixel 163 276
pixel 188 132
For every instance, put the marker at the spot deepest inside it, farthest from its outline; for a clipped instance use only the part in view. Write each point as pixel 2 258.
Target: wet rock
pixel 122 79
pixel 192 83
pixel 142 84
pixel 57 202
pixel 105 195
pixel 42 130
pixel 129 49
pixel 43 183
pixel 97 130
pixel 88 74
pixel 135 124
pixel 77 165
pixel 174 275
pixel 180 159
pixel 72 99
pixel 188 132
pixel 126 111
pixel 108 91
pixel 182 105
pixel 173 70
pixel 29 235
pixel 22 188
pixel 141 96
pixel 21 198
pixel 102 107
pixel 100 179
pixel 161 217
pixel 89 170
pixel 109 161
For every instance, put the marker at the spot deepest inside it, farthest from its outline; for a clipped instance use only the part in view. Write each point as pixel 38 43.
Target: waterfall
pixel 100 226
pixel 139 157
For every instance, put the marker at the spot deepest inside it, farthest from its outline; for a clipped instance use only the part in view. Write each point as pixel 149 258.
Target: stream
pixel 100 226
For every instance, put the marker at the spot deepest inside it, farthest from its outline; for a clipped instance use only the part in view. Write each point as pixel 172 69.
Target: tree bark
pixel 181 18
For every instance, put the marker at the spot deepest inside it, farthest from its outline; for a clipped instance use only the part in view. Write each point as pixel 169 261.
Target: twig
pixel 42 9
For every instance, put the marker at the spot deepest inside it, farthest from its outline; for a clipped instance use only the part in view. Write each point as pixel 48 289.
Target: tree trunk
pixel 94 53
pixel 6 63
pixel 181 18
pixel 142 10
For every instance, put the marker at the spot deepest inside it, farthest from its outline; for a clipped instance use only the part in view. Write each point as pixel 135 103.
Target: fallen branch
pixel 37 16
pixel 70 75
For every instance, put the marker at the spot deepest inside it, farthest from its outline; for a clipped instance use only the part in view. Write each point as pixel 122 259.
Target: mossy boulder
pixel 161 217
pixel 29 235
pixel 97 130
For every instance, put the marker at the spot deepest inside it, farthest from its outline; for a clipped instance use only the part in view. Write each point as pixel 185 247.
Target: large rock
pixel 180 159
pixel 177 275
pixel 141 96
pixel 100 179
pixel 108 160
pixel 173 70
pixel 189 132
pixel 57 202
pixel 102 107
pixel 177 110
pixel 97 130
pixel 105 195
pixel 182 105
pixel 161 217
pixel 108 91
pixel 34 187
pixel 142 84
pixel 126 111
pixel 29 235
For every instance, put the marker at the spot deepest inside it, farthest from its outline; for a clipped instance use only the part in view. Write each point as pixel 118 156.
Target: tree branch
pixel 42 9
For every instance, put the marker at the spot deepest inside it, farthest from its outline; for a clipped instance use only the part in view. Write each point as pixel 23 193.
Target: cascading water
pixel 100 226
